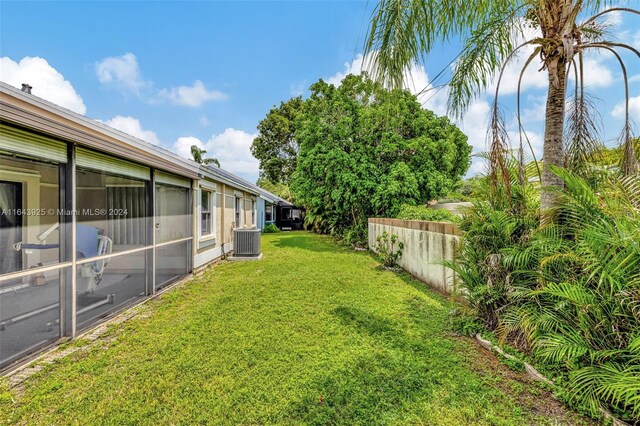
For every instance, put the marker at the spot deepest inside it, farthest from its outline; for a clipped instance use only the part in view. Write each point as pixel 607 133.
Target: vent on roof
pixel 26 88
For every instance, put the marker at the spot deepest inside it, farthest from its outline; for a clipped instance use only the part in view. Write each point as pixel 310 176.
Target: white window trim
pixel 212 211
pixel 238 210
pixel 254 212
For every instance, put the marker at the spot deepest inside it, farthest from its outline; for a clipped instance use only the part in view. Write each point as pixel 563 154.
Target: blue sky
pixel 178 73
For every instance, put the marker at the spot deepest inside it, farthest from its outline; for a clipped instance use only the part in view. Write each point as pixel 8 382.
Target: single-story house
pixel 93 220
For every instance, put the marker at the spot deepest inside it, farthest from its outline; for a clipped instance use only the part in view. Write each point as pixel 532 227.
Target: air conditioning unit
pixel 246 243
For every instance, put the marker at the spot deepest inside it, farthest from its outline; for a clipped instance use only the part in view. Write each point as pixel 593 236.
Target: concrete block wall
pixel 425 245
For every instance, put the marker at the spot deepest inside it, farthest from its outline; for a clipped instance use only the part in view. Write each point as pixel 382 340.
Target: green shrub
pixel 408 212
pixel 463 322
pixel 386 249
pixel 270 228
pixel 357 160
pixel 567 290
pixel 578 303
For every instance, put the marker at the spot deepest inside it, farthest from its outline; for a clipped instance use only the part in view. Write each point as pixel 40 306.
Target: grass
pixel 314 333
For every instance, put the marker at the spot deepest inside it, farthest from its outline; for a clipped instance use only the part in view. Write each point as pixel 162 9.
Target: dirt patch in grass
pixel 525 391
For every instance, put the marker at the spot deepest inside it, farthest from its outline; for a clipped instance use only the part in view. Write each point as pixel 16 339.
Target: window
pixel 253 212
pixel 286 213
pixel 238 212
pixel 268 213
pixel 206 199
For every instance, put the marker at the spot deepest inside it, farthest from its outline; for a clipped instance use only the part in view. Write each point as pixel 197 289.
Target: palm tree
pixel 493 32
pixel 198 156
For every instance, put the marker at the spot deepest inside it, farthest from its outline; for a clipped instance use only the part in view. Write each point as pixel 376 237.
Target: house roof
pixel 272 198
pixel 28 110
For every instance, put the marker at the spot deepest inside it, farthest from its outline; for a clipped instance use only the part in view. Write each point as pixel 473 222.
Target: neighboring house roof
pixel 17 106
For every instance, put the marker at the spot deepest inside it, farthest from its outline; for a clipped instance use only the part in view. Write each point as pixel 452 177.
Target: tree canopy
pixel 276 146
pixel 364 151
pixel 493 33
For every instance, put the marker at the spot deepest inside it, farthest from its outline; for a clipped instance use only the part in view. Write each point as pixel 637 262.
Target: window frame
pixel 254 215
pixel 237 207
pixel 211 212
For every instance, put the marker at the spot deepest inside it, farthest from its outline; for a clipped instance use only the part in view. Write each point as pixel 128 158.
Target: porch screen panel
pixel 29 214
pixel 125 228
pixel 173 213
pixel 172 262
pixel 173 224
pixel 29 313
pixel 121 280
pixel 31 269
pixel 113 207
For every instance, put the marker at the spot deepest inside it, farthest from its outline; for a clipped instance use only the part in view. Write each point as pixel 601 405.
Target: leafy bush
pixel 579 302
pixel 408 212
pixel 492 225
pixel 568 289
pixel 270 228
pixel 386 249
pixel 365 150
pixel 462 322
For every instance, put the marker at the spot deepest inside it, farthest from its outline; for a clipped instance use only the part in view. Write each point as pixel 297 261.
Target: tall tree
pixel 365 151
pixel 493 32
pixel 276 146
pixel 198 156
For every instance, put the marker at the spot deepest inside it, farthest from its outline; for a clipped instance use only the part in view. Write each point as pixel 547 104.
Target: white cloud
pixel 133 127
pixel 635 78
pixel 204 121
pixel 123 72
pixel 182 146
pixel 535 109
pixel 611 19
pixel 536 140
pixel 474 124
pixel 531 79
pixel 416 80
pixel 634 108
pixel 231 147
pixel 47 82
pixel 596 73
pixel 636 39
pixel 478 166
pixel 192 96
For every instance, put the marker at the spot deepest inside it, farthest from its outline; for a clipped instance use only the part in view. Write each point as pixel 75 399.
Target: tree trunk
pixel 553 153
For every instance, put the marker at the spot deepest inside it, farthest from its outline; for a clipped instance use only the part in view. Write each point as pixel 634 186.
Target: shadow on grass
pixel 372 389
pixel 366 322
pixel 409 279
pixel 373 386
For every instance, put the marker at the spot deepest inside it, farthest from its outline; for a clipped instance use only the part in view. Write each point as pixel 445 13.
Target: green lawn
pixel 312 334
